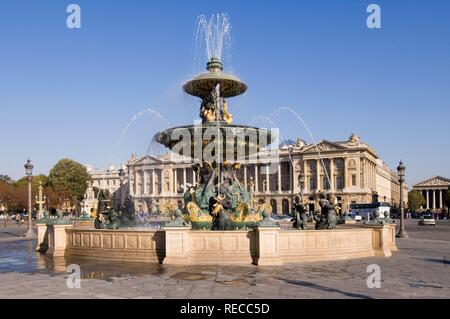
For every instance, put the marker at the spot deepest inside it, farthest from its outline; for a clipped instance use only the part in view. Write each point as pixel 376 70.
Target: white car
pixel 355 216
pixel 427 220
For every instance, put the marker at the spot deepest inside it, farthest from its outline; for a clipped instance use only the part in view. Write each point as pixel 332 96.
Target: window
pixel 312 183
pixel 339 182
pixel 353 180
pixel 325 183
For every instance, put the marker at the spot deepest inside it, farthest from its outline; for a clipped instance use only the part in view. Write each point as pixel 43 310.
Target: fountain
pixel 216 146
pixel 220 224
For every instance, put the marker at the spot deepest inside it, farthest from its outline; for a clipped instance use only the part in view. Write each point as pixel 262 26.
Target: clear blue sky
pixel 70 93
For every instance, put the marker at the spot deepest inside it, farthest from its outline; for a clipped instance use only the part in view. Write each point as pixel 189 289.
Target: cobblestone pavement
pixel 420 269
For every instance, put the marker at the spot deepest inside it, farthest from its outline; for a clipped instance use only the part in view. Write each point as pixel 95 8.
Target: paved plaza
pixel 420 269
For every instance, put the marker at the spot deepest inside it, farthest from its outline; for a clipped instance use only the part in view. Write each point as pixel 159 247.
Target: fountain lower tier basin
pixel 199 141
pixel 263 246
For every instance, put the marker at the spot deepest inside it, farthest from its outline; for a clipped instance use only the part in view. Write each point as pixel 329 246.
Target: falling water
pixel 267 122
pixel 212 39
pixel 300 119
pixel 156 114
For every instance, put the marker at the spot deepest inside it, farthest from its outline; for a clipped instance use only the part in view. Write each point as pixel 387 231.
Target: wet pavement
pixel 419 270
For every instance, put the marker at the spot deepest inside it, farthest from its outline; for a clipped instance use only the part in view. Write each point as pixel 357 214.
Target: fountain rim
pixel 215 125
pixel 234 86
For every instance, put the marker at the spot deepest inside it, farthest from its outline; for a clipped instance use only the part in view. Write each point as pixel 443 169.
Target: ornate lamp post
pixel 401 178
pixel 122 190
pixel 29 174
pixel 40 200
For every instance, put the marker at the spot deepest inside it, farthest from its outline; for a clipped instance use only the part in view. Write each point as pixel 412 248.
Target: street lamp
pixel 29 174
pixel 401 178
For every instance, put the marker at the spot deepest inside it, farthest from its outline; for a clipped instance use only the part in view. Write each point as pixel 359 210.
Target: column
pixel 144 172
pixel 153 182
pixel 441 202
pixel 184 178
pixel 291 179
pixel 129 181
pixel 175 181
pixel 306 188
pixel 256 179
pixel 194 177
pixel 267 179
pixel 434 199
pixel 428 199
pixel 279 178
pixel 363 169
pixel 136 175
pixel 245 177
pixel 318 174
pixel 333 182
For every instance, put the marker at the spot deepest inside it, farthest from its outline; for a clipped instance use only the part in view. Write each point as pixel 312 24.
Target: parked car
pixel 427 220
pixel 355 216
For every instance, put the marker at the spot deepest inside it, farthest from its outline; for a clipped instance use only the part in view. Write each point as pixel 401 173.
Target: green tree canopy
pixel 70 178
pixel 416 200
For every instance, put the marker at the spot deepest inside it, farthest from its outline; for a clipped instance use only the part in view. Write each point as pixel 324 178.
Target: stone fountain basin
pixel 260 246
pixel 247 139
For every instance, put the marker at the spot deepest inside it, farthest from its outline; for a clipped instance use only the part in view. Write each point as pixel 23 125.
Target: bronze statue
pixel 387 218
pixel 327 218
pixel 377 220
pixel 301 213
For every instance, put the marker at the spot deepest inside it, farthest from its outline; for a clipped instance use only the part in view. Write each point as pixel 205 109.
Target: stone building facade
pixel 350 170
pixel 435 191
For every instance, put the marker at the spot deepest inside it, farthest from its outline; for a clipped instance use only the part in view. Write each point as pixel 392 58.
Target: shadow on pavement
pixel 324 288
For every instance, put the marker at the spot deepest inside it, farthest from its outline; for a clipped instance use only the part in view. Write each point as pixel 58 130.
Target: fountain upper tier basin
pixel 203 84
pixel 239 140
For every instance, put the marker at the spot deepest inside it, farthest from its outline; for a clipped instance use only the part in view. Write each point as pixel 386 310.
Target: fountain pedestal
pixel 177 245
pixel 267 253
pixel 42 238
pixel 57 240
pixel 383 240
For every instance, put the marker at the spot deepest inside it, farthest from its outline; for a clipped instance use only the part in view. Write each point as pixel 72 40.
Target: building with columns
pixel 435 191
pixel 350 170
pixel 106 179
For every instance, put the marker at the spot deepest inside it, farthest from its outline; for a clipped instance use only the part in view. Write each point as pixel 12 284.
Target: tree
pixel 416 200
pixel 69 179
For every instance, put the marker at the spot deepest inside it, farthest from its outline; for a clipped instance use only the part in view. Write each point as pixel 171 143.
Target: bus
pixel 365 210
